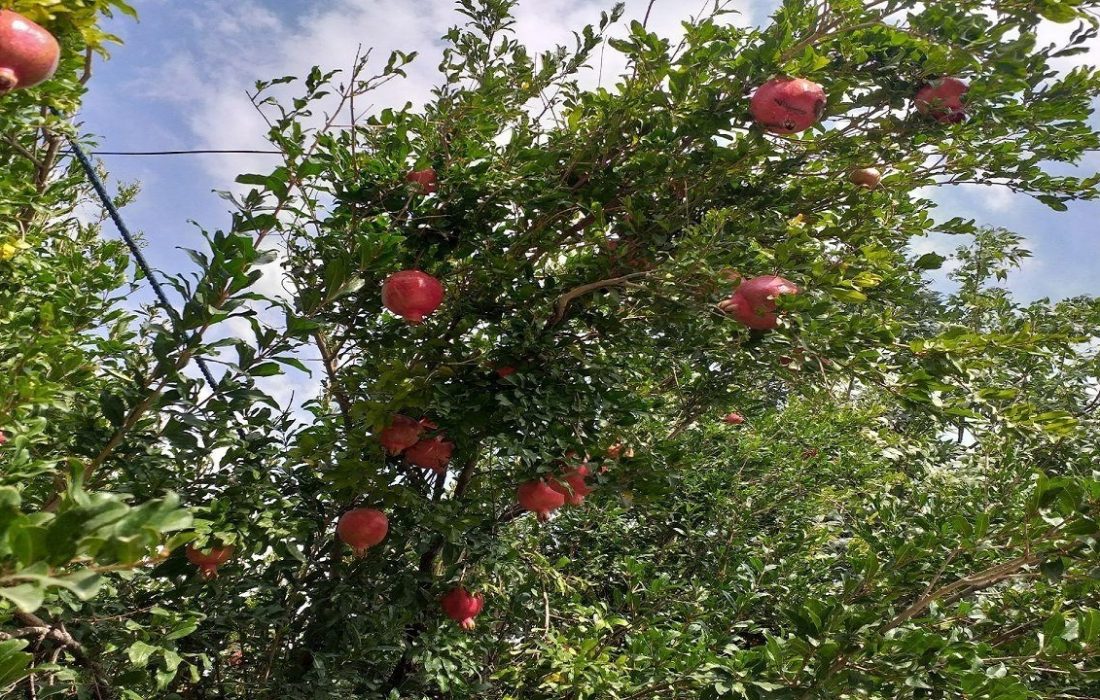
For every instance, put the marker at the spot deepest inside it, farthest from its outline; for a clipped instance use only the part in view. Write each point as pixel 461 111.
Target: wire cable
pixel 200 151
pixel 139 258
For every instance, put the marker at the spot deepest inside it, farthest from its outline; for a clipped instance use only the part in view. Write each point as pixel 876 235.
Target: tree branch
pixel 58 635
pixel 563 302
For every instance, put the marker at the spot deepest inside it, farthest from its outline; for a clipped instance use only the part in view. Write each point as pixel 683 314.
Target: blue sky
pixel 179 82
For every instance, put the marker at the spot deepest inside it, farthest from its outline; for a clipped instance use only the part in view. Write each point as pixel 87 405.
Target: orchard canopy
pixel 629 390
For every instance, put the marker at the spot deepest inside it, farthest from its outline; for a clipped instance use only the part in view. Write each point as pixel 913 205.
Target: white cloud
pixel 209 80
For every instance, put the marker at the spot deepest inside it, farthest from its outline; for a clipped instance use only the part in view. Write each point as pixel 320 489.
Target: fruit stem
pixel 8 80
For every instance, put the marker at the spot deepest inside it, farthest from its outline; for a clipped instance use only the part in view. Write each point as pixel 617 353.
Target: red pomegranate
pixel 506 371
pixel 209 560
pixel 401 434
pixel 28 53
pixel 865 177
pixel 462 607
pixel 3 437
pixel 733 418
pixel 432 453
pixel 412 294
pixel 574 489
pixel 539 498
pixel 424 180
pixel 942 99
pixel 753 302
pixel 788 105
pixel 361 528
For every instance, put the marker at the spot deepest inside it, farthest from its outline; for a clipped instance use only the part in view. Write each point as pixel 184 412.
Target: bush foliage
pixel 910 510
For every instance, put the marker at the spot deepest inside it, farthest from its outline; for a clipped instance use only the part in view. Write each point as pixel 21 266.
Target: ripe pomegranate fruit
pixel 432 453
pixel 788 105
pixel 401 434
pixel 28 53
pixel 507 371
pixel 866 177
pixel 208 561
pixel 3 438
pixel 753 302
pixel 462 607
pixel 942 99
pixel 361 528
pixel 412 294
pixel 733 418
pixel 423 180
pixel 572 486
pixel 539 498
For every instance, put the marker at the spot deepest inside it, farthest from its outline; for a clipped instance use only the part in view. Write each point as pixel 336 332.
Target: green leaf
pixel 26 596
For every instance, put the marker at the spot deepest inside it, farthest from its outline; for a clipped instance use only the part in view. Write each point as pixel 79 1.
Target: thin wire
pixel 139 258
pixel 216 151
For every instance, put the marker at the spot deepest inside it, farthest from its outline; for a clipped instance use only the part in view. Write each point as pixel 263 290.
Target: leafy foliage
pixel 909 511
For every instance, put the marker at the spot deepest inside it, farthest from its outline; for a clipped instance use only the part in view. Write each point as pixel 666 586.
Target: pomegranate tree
pixel 539 498
pixel 866 177
pixel 362 528
pixel 424 181
pixel 753 302
pixel 788 105
pixel 942 99
pixel 28 53
pixel 572 486
pixel 402 433
pixel 412 294
pixel 462 607
pixel 432 453
pixel 209 560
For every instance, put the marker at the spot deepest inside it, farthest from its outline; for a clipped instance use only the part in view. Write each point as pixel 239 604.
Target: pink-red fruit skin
pixel 28 53
pixel 539 498
pixel 866 177
pixel 362 528
pixel 733 418
pixel 209 561
pixel 504 372
pixel 753 302
pixel 432 453
pixel 788 105
pixel 401 434
pixel 572 485
pixel 424 180
pixel 412 294
pixel 462 607
pixel 942 99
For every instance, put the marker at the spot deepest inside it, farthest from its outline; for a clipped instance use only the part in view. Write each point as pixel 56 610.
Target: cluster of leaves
pixel 103 435
pixel 910 511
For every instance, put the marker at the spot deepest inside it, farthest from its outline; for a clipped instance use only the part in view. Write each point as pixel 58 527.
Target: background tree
pixel 910 509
